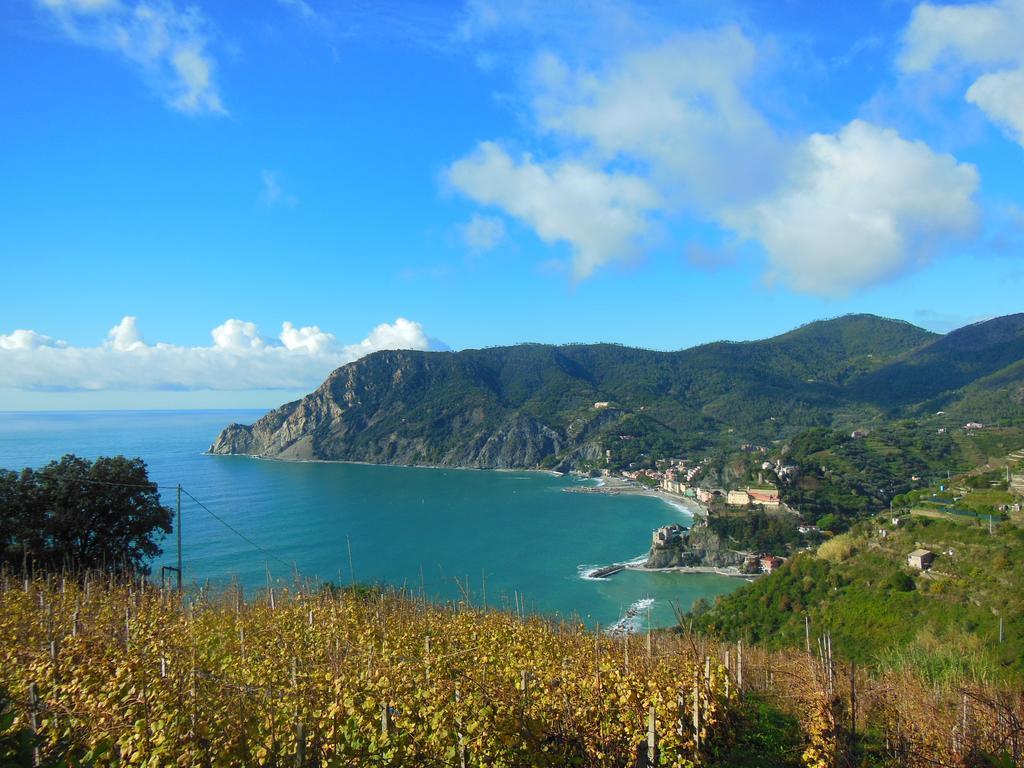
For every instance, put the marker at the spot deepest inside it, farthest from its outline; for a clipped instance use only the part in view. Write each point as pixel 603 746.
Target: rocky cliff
pixel 416 408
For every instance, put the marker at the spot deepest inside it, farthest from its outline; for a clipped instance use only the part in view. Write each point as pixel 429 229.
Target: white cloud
pixel 483 233
pixel 669 131
pixel 678 107
pixel 985 39
pixel 125 336
pixel 601 215
pixel 169 46
pixel 238 359
pixel 237 336
pixel 860 206
pixel 310 338
pixel 1000 95
pixel 21 339
pixel 273 192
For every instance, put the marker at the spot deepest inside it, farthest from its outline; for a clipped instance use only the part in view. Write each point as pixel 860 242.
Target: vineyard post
pixel 33 721
pixel 426 658
pixel 461 740
pixel 652 738
pixel 696 713
pixel 524 682
pixel 300 729
pixel 739 668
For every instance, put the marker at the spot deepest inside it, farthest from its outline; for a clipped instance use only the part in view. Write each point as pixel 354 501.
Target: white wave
pixel 679 506
pixel 587 572
pixel 632 620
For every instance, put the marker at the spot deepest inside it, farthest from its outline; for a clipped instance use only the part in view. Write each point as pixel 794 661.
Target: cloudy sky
pixel 214 203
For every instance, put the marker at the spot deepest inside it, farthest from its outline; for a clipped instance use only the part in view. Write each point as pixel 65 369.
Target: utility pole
pixel 179 538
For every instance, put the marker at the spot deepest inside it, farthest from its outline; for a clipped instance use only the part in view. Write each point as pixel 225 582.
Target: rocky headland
pixel 699 547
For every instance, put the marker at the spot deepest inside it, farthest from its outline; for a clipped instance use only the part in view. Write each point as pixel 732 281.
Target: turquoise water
pixel 504 532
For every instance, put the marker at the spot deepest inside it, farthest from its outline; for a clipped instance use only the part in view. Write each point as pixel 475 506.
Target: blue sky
pixel 181 179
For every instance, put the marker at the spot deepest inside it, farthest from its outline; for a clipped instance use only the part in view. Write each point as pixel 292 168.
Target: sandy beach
pixel 618 486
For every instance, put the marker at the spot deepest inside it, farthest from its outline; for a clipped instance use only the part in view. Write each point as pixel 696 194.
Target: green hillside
pixel 858 586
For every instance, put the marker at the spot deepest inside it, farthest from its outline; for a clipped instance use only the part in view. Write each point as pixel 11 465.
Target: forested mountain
pixel 534 405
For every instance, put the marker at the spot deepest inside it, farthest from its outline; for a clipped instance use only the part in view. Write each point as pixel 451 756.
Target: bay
pixel 439 531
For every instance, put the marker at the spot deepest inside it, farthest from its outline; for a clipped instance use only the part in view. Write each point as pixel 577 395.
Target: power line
pixel 234 530
pixel 157 486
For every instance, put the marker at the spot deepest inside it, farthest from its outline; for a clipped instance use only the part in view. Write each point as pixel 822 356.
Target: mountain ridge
pixel 533 405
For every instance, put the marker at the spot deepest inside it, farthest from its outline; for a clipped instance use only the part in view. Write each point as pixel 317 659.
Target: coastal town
pixel 699 548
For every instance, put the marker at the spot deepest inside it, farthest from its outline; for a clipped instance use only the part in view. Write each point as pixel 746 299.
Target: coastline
pixel 259 457
pixel 618 486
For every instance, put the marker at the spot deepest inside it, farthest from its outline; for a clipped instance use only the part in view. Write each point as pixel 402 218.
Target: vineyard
pixel 97 671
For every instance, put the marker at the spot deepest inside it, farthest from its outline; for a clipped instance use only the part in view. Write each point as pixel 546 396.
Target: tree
pixel 83 514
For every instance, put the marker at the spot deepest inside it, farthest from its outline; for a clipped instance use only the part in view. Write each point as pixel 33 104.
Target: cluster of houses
pixel 743 497
pixel 677 468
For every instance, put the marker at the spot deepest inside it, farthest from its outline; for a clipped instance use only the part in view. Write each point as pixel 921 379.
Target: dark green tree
pixel 82 514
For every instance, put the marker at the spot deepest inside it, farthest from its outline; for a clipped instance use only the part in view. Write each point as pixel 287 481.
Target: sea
pixel 512 540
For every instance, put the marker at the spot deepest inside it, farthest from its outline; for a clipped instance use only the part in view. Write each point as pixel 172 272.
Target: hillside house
pixel 737 499
pixel 921 559
pixel 767 496
pixel 771 563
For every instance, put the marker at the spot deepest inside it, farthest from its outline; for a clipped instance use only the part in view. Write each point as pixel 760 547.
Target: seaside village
pixel 678 479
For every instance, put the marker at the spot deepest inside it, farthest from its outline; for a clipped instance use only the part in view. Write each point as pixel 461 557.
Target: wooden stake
pixel 652 739
pixel 739 667
pixel 33 720
pixel 696 713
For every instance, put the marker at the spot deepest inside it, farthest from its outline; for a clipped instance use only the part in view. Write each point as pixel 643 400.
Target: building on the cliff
pixel 769 497
pixel 667 535
pixel 771 563
pixel 921 559
pixel 737 499
pixel 602 404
